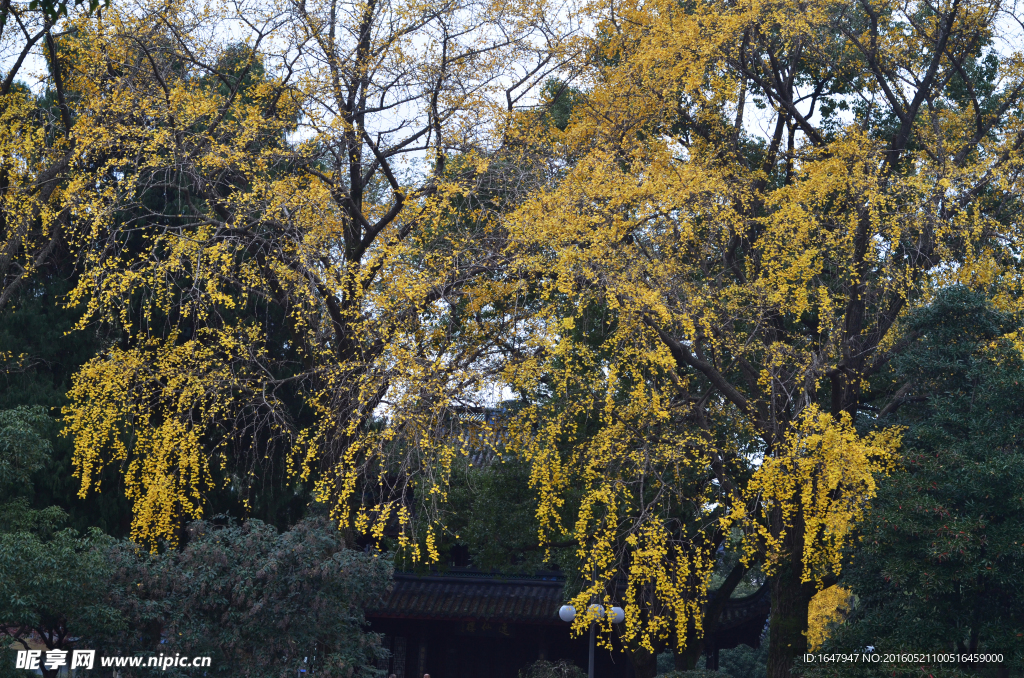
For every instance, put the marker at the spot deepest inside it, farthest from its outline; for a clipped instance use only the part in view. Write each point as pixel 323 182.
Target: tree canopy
pixel 258 602
pixel 52 580
pixel 279 270
pixel 684 245
pixel 759 192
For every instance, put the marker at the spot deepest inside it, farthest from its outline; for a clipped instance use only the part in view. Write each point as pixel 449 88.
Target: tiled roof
pixel 447 598
pixel 737 611
pixel 535 601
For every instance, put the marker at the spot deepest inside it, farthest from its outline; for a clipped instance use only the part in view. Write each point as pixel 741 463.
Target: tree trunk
pixel 687 659
pixel 645 664
pixel 787 637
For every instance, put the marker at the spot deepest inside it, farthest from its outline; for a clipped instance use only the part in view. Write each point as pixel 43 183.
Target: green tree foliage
pixel 42 353
pixel 56 589
pixel 24 451
pixel 500 520
pixel 744 661
pixel 696 673
pixel 939 568
pixel 259 602
pixel 52 584
pixel 560 98
pixel 546 669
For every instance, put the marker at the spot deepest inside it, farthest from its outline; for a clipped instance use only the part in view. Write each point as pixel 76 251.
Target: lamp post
pixel 616 615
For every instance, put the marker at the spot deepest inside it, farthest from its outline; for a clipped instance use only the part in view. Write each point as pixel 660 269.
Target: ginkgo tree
pixel 36 150
pixel 282 204
pixel 313 226
pixel 755 194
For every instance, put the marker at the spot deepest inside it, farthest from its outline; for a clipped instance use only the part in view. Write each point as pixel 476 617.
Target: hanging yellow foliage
pixel 819 483
pixel 278 227
pixel 314 242
pixel 828 606
pixel 752 197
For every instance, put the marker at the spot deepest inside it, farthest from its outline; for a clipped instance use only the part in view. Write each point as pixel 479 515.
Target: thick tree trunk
pixel 787 637
pixel 687 659
pixel 645 664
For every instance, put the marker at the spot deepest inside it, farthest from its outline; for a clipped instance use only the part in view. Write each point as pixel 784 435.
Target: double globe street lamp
pixel 596 612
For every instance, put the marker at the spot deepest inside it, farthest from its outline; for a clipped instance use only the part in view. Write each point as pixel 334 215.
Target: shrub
pixel 546 669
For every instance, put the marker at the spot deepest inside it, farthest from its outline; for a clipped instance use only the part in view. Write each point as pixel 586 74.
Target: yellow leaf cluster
pixel 828 606
pixel 816 488
pixel 285 274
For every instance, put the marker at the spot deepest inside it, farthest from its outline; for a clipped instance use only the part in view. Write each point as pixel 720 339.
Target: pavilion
pixel 468 624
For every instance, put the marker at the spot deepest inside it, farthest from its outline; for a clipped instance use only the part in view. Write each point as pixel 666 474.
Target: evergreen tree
pixel 258 602
pixel 939 567
pixel 53 583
